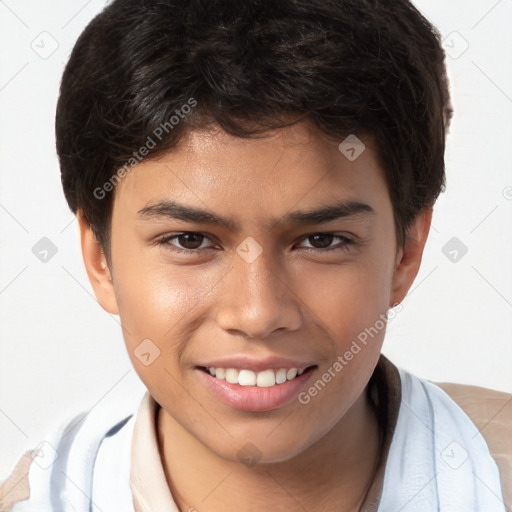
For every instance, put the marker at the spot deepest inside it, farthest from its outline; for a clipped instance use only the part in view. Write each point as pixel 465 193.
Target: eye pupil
pixel 190 240
pixel 321 240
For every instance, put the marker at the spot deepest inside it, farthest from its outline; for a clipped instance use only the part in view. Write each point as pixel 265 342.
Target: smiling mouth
pixel 262 379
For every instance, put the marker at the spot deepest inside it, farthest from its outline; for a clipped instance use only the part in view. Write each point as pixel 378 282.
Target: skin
pixel 295 300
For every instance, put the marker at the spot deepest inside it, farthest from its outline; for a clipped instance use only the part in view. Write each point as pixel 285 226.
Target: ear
pixel 97 267
pixel 408 258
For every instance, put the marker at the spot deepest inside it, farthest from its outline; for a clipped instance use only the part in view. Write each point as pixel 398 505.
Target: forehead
pixel 297 165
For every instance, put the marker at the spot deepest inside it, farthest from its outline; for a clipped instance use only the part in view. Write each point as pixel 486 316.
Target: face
pixel 254 255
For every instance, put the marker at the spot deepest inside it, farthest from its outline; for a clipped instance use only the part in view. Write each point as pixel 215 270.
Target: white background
pixel 59 351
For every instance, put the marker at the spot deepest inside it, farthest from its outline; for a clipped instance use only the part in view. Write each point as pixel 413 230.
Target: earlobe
pixel 97 267
pixel 409 257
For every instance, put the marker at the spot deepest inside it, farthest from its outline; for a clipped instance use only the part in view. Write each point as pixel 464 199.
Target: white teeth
pixel 232 375
pixel 291 373
pixel 263 379
pixel 281 376
pixel 247 378
pixel 266 379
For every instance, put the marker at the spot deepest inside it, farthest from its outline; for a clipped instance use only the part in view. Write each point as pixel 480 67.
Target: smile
pixel 262 379
pixel 255 391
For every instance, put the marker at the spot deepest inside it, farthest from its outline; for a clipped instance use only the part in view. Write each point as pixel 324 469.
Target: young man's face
pixel 257 287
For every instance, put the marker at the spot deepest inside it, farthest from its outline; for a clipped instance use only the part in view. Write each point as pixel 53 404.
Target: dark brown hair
pixel 373 67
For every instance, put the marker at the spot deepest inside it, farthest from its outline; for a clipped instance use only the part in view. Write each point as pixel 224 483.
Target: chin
pixel 259 451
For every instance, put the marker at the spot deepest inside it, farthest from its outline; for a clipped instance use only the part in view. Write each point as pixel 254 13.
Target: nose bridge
pixel 259 279
pixel 256 301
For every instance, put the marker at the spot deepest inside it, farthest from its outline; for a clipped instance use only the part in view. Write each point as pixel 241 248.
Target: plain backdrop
pixel 59 351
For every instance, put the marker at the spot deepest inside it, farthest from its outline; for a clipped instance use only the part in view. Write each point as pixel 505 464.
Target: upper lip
pixel 256 365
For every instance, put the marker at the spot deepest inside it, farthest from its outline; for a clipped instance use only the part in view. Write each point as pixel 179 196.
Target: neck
pixel 332 474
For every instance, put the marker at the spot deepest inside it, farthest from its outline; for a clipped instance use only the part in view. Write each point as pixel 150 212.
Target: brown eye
pixel 187 241
pixel 321 240
pixel 325 242
pixel 190 240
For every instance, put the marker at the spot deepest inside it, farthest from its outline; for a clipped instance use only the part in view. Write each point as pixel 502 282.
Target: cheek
pixel 161 302
pixel 350 298
pixel 352 304
pixel 153 300
pixel 152 295
pixel 149 303
pixel 153 306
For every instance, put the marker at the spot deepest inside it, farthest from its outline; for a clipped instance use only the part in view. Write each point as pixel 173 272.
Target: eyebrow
pixel 173 210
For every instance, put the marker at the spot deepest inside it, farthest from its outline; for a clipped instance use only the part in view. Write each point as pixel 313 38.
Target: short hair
pixel 362 67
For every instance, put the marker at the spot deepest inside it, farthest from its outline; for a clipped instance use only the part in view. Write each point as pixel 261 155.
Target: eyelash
pixel 164 241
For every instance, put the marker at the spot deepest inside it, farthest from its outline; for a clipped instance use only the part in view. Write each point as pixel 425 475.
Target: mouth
pixel 263 379
pixel 255 391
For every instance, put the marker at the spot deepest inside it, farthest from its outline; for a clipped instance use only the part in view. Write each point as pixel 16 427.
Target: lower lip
pixel 253 398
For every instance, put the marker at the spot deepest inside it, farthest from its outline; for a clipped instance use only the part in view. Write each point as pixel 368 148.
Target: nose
pixel 258 299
